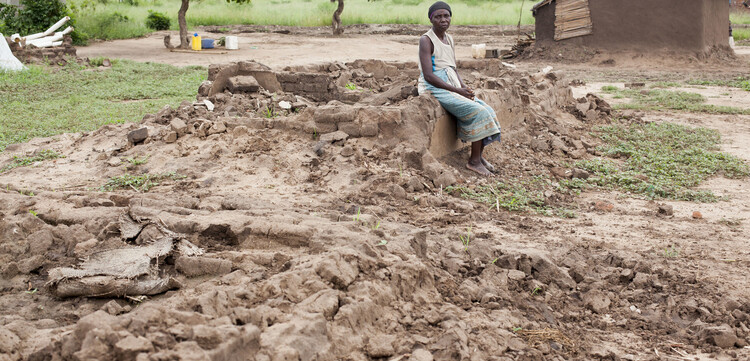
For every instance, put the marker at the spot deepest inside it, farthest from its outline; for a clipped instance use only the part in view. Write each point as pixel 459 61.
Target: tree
pixel 182 22
pixel 336 24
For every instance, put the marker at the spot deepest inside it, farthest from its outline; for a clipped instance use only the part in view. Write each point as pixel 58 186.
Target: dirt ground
pixel 326 232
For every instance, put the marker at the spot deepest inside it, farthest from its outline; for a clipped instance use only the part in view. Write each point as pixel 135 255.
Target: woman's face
pixel 441 19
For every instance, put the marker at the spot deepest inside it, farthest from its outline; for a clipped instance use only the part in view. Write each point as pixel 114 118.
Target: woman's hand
pixel 466 92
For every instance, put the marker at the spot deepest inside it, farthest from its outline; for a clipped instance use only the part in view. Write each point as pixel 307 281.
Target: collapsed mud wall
pixel 58 55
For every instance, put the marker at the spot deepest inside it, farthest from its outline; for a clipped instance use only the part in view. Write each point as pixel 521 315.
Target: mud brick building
pixel 673 25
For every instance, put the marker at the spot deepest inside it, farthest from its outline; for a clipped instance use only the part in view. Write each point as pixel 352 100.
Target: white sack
pixel 8 61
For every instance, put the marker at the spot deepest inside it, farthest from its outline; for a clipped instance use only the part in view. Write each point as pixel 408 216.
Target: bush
pixel 34 16
pixel 157 21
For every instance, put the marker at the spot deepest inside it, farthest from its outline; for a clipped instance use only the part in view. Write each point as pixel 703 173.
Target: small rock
pixel 596 301
pixel 420 354
pixel 516 275
pixel 560 172
pixel 446 179
pixel 666 210
pixel 415 184
pixel 129 347
pixel 217 128
pixel 626 275
pixel 397 191
pixel 113 308
pixel 138 135
pixel 114 162
pixel 591 115
pixel 209 105
pixel 697 215
pixel 539 145
pixel 722 336
pixel 603 206
pixel 334 137
pixel 244 83
pixel 580 173
pixel 178 125
pixel 347 151
pixel 285 105
pixel 171 137
pixel 381 346
pixel 583 107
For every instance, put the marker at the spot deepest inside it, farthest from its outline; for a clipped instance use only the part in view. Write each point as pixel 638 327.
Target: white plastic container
pixel 231 42
pixel 478 51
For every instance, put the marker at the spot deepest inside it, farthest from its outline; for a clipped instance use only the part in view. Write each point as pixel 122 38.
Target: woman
pixel 477 122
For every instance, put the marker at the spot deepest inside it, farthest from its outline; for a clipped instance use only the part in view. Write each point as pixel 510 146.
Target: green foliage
pixel 25 161
pixel 135 161
pixel 671 252
pixel 465 239
pixel 157 21
pixel 658 99
pixel 140 183
pixel 524 195
pixel 660 160
pixel 351 86
pixel 33 16
pixel 739 82
pixel 741 34
pixel 69 99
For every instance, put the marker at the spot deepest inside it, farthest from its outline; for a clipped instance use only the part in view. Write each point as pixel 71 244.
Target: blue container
pixel 207 43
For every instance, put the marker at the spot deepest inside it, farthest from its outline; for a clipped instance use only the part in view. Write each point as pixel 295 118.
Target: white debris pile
pixel 48 38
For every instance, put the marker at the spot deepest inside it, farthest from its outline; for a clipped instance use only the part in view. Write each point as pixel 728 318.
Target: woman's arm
pixel 425 59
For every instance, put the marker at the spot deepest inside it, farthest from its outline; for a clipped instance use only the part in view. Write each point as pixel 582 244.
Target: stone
pixel 560 172
pixel 138 135
pixel 580 173
pixel 666 210
pixel 243 83
pixel 516 275
pixel 217 127
pixel 415 184
pixel 722 336
pixel 596 301
pixel 114 162
pixel 421 354
pixel 539 145
pixel 446 179
pixel 334 137
pixel 591 115
pixel 397 191
pixel 347 151
pixel 179 126
pixel 205 88
pixel 129 347
pixel 381 346
pixel 113 308
pixel 583 107
pixel 171 137
pixel 697 215
pixel 603 206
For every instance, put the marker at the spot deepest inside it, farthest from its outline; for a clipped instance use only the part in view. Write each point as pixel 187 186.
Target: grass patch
pixel 739 82
pixel 140 183
pixel 45 101
pixel 739 17
pixel 25 161
pixel 741 34
pixel 659 160
pixel 117 20
pixel 658 99
pixel 522 196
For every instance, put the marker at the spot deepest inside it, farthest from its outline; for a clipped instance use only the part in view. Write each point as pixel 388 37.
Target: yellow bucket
pixel 196 45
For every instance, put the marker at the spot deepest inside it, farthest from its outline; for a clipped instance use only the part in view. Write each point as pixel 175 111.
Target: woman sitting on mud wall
pixel 477 122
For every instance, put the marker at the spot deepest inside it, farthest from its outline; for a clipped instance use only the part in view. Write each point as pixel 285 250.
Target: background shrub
pixel 157 21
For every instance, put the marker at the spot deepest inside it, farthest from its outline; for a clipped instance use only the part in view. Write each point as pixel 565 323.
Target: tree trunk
pixel 337 28
pixel 184 43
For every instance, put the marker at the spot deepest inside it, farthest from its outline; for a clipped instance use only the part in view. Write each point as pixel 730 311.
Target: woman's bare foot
pixel 478 168
pixel 488 165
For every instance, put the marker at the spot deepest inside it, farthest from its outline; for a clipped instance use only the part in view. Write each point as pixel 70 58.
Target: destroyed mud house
pixel 643 25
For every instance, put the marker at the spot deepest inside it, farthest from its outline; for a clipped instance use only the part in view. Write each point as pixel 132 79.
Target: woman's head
pixel 440 15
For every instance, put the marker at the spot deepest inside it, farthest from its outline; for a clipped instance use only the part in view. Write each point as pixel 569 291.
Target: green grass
pixel 741 34
pixel 739 17
pixel 659 160
pixel 119 20
pixel 25 161
pixel 739 82
pixel 45 101
pixel 658 99
pixel 526 195
pixel 140 183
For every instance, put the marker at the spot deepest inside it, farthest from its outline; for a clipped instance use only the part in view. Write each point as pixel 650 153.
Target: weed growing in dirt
pixel 44 101
pixel 659 160
pixel 25 161
pixel 526 195
pixel 351 86
pixel 32 212
pixel 731 222
pixel 139 183
pixel 466 239
pixel 671 252
pixel 739 82
pixel 536 291
pixel 135 161
pixel 657 99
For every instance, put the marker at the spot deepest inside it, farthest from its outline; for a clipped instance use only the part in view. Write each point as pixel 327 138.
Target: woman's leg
pixel 475 159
